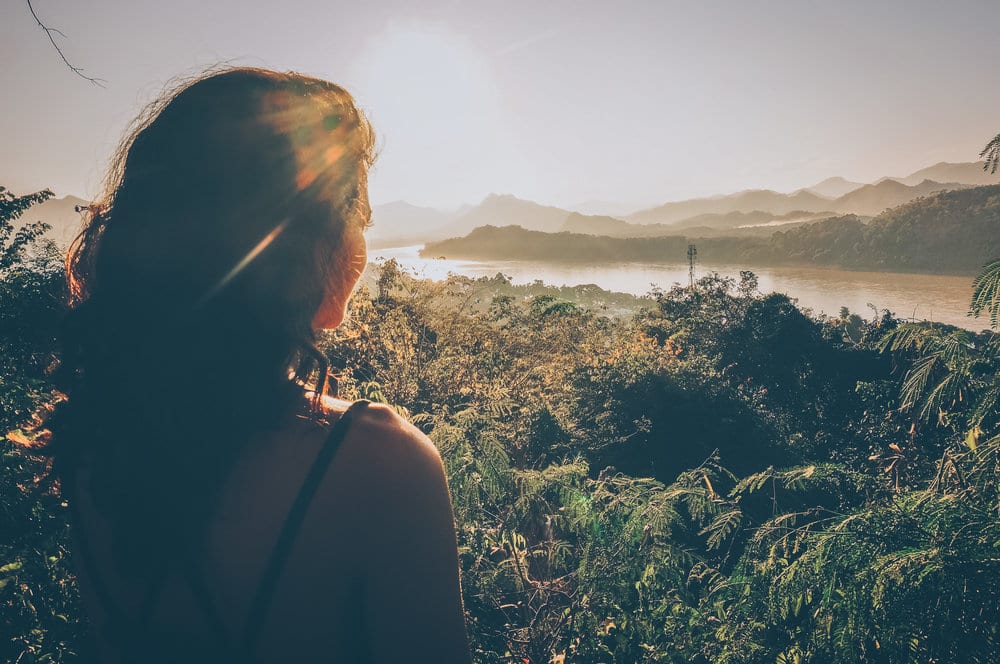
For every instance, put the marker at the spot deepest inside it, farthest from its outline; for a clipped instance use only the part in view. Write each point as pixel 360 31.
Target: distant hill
pixel 872 199
pixel 848 197
pixel 744 201
pixel 60 213
pixel 756 222
pixel 867 200
pixel 400 223
pixel 605 208
pixel 504 210
pixel 746 220
pixel 834 187
pixel 600 225
pixel 743 213
pixel 970 173
pixel 516 242
pixel 955 232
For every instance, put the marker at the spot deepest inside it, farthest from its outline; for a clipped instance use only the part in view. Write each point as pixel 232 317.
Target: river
pixel 941 298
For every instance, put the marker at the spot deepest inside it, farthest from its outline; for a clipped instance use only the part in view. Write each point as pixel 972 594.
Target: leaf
pixel 972 438
pixel 18 437
pixel 10 568
pixel 721 527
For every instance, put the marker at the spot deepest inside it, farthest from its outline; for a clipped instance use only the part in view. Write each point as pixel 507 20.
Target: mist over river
pixel 941 298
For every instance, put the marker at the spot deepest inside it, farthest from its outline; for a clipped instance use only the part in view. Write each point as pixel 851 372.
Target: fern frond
pixel 991 153
pixel 722 526
pixel 986 286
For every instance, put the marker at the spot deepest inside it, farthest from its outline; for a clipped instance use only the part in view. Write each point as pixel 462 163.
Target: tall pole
pixel 692 255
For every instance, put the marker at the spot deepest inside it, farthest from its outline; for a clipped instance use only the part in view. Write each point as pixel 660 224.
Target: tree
pixel 31 296
pixel 986 287
pixel 40 616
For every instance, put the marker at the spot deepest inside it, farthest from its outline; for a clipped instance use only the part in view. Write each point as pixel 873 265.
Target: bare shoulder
pixel 413 600
pixel 382 421
pixel 382 448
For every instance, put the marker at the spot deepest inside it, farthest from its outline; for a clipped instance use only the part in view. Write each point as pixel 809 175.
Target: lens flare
pixel 244 262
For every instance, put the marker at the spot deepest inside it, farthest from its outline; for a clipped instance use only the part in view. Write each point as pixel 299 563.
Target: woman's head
pixel 237 193
pixel 230 227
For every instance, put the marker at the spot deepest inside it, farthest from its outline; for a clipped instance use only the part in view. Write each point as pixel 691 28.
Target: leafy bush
pixel 41 616
pixel 717 478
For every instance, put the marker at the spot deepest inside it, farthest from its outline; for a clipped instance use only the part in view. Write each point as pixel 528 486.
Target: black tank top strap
pixel 261 603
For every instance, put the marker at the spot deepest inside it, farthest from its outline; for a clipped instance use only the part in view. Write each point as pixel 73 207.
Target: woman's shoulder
pixel 380 444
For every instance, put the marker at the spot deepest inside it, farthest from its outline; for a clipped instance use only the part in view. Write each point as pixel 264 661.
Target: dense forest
pixel 952 232
pixel 717 477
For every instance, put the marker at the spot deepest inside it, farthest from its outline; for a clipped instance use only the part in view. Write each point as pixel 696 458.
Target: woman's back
pixel 370 573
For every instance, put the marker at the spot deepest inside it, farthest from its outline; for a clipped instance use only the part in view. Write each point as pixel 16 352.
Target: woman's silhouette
pixel 224 508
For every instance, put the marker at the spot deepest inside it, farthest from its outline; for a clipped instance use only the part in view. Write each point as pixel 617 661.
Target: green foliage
pixel 952 377
pixel 40 618
pixel 31 296
pixel 907 578
pixel 833 560
pixel 717 478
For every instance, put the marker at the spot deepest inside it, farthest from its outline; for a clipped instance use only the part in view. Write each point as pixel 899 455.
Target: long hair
pixel 194 284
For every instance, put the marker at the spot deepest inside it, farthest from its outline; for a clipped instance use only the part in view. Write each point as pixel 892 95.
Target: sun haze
pixel 561 102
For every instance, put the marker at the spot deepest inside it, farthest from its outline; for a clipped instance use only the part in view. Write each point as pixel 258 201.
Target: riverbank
pixel 824 290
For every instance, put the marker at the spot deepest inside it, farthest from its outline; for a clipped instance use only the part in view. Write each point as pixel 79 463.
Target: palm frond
pixel 986 286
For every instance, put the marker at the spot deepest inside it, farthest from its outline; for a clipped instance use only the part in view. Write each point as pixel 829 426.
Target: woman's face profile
pixel 350 265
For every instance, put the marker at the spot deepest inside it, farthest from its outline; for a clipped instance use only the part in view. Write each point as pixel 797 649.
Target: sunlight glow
pixel 436 108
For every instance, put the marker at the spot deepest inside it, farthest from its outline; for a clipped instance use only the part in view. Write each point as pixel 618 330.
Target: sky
pixel 557 101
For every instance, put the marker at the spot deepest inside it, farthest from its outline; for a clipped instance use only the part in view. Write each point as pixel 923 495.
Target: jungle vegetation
pixel 717 477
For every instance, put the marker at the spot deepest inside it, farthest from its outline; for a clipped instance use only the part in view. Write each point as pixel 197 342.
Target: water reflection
pixel 913 296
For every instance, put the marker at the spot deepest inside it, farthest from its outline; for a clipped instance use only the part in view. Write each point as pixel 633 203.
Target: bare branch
pixel 49 32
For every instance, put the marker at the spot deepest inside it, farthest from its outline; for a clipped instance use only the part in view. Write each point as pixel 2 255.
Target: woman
pixel 224 508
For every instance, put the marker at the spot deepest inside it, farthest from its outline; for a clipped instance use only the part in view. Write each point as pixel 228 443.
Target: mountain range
pixel 745 201
pixel 741 211
pixel 746 212
pixel 708 224
pixel 970 173
pixel 949 232
pixel 834 187
pixel 873 199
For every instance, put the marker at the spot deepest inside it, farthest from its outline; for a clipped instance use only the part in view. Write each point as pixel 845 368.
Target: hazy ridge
pixel 952 232
pixel 744 214
pixel 704 216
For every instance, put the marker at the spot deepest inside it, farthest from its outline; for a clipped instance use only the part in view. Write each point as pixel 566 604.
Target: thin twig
pixel 48 33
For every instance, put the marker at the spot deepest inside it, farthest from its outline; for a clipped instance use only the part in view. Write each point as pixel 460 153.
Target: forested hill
pixel 954 232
